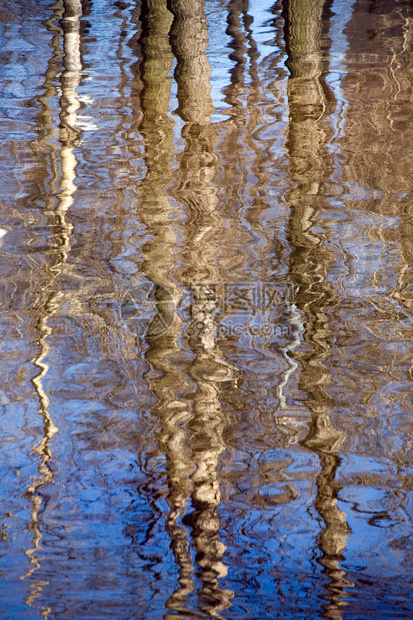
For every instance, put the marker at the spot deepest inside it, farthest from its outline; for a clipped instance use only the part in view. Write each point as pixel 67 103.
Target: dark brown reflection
pixel 310 167
pixel 242 149
pixel 244 48
pixel 378 83
pixel 61 185
pixel 246 152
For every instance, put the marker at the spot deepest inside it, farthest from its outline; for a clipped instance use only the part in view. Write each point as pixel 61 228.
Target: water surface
pixel 206 309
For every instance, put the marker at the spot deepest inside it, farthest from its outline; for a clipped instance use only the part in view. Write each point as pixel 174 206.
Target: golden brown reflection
pixel 190 435
pixel 69 12
pixel 172 412
pixel 196 190
pixel 310 167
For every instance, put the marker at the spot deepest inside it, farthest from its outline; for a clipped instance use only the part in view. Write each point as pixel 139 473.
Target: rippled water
pixel 206 309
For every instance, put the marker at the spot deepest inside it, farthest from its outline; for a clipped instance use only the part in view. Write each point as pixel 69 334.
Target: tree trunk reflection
pixel 309 169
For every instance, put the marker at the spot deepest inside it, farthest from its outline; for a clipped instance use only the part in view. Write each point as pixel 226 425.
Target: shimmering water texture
pixel 206 309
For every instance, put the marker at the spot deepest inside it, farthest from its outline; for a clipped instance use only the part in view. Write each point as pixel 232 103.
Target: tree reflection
pixel 196 190
pixel 157 131
pixel 308 99
pixel 70 14
pixel 191 427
